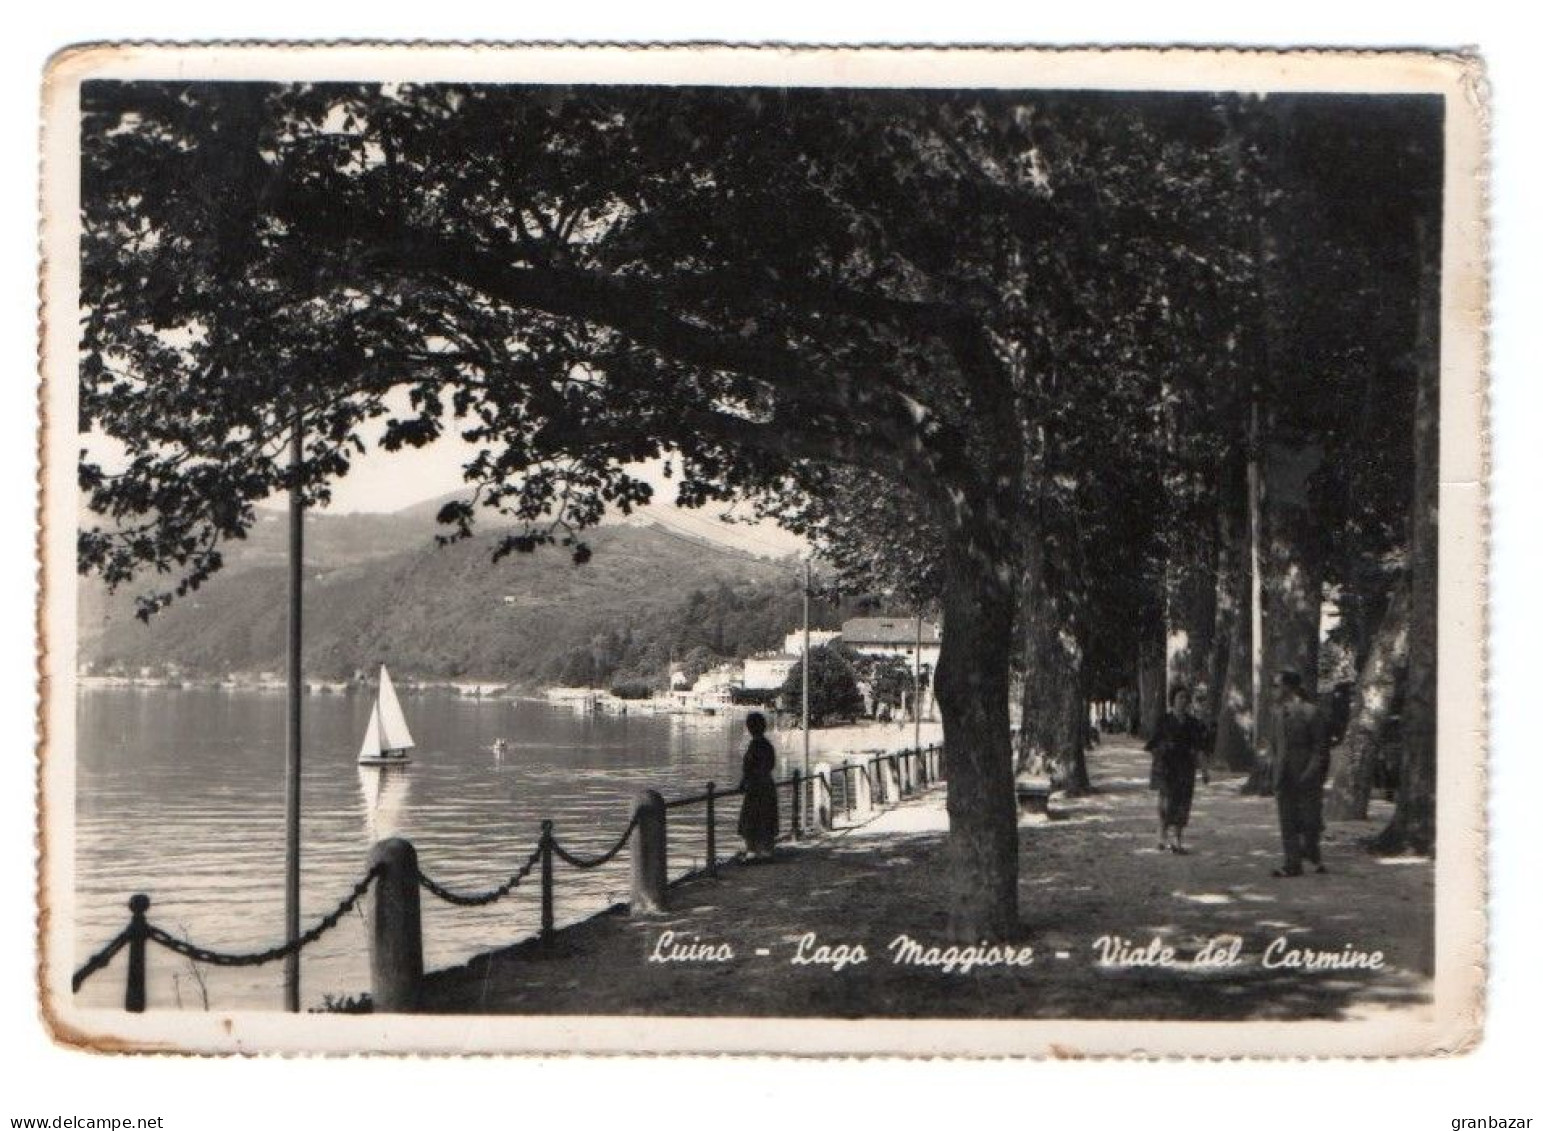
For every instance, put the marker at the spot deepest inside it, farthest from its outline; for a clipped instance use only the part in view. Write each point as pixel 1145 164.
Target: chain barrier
pixel 549 843
pixel 220 958
pixel 156 934
pixel 605 858
pixel 100 959
pixel 484 898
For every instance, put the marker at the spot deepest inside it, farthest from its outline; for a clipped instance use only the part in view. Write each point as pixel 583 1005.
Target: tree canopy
pixel 833 691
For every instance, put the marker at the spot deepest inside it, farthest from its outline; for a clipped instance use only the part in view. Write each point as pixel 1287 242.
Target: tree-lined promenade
pixel 856 925
pixel 1129 387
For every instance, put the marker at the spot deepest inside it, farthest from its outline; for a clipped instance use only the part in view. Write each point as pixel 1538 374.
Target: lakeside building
pixel 897 637
pixel 712 692
pixel 893 636
pixel 720 679
pixel 768 671
pixel 793 643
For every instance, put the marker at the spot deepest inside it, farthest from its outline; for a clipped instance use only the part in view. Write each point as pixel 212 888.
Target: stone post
pixel 396 929
pixel 862 792
pixel 548 886
pixel 650 865
pixel 819 797
pixel 712 829
pixel 796 805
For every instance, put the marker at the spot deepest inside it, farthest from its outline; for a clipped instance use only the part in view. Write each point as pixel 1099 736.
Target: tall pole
pixel 1256 582
pixel 292 759
pixel 808 584
pixel 916 681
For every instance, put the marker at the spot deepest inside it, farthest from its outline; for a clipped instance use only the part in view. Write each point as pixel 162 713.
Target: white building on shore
pixel 897 637
pixel 793 643
pixel 893 636
pixel 768 671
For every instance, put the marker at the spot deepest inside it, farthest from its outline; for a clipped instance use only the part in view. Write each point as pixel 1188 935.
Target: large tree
pixel 576 280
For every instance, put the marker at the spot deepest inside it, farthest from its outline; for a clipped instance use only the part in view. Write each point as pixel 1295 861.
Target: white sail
pixel 394 734
pixel 370 748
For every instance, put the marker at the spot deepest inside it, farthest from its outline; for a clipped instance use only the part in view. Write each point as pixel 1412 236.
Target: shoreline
pixel 868 735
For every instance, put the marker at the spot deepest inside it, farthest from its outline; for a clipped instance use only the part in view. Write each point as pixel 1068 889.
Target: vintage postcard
pixel 784 550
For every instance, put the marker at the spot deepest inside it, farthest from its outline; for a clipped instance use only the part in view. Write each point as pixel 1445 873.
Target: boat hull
pixel 384 760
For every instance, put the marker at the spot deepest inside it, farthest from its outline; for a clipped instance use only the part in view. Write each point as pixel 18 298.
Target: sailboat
pixel 387 739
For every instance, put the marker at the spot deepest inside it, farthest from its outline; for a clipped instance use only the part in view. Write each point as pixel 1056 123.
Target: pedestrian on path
pixel 1301 765
pixel 758 812
pixel 1178 749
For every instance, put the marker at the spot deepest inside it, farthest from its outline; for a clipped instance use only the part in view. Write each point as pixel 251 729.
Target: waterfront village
pixel 755 681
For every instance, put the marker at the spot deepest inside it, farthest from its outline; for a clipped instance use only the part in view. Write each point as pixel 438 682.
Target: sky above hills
pixel 386 482
pixel 382 482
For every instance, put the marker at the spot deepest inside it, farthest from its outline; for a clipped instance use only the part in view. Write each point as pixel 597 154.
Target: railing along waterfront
pixel 829 798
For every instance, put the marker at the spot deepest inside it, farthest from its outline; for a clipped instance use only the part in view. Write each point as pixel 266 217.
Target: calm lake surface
pixel 180 794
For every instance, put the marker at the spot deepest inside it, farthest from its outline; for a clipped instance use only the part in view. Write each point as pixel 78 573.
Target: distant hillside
pixel 451 612
pixel 331 542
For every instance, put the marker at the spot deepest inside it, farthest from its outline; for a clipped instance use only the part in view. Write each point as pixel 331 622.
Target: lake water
pixel 180 794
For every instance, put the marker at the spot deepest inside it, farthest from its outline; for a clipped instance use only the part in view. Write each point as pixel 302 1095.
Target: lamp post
pixel 916 680
pixel 808 584
pixel 292 753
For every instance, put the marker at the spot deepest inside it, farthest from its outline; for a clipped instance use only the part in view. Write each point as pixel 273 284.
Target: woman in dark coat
pixel 758 813
pixel 1177 749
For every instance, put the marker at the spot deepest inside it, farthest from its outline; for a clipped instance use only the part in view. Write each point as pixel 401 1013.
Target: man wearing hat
pixel 1301 765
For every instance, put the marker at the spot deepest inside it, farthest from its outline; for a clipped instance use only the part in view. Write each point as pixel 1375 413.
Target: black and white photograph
pixel 988 546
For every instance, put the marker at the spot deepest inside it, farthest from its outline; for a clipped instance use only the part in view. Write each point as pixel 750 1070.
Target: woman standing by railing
pixel 758 813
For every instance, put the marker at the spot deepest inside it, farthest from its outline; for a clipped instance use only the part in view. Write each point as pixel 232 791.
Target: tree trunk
pixel 1351 790
pixel 1053 730
pixel 1149 677
pixel 1130 708
pixel 1190 611
pixel 972 681
pixel 1071 767
pixel 1413 828
pixel 1259 697
pixel 1291 569
pixel 1232 685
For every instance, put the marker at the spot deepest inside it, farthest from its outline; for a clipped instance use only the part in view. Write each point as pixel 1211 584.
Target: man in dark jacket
pixel 1301 765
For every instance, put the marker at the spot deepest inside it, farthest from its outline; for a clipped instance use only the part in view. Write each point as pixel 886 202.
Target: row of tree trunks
pixel 1351 786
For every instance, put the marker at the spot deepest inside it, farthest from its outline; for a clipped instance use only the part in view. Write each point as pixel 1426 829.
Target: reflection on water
pixel 180 794
pixel 383 790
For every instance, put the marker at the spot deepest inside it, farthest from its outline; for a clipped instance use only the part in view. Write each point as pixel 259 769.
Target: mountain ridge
pixel 452 612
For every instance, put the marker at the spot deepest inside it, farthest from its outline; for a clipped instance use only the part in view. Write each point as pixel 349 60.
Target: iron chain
pixel 596 861
pixel 220 958
pixel 100 959
pixel 484 898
